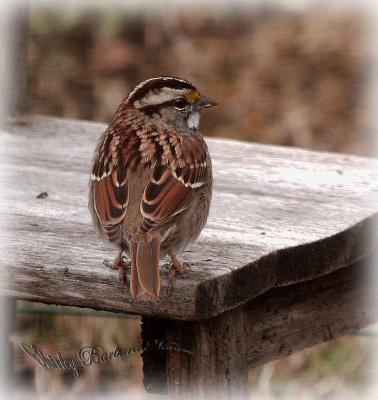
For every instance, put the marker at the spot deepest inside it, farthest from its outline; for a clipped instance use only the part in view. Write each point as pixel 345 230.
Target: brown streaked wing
pixel 168 194
pixel 110 202
pixel 116 155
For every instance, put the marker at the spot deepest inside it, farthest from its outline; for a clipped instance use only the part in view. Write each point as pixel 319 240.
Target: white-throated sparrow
pixel 151 180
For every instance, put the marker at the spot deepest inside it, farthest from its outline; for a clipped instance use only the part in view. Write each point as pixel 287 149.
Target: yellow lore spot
pixel 192 95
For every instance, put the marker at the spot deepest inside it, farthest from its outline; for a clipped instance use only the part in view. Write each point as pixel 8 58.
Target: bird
pixel 151 181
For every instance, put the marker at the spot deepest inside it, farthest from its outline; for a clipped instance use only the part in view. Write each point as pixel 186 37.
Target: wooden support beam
pixel 154 360
pixel 273 325
pixel 204 359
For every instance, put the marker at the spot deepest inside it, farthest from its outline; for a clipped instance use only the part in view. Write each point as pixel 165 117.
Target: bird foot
pixel 120 263
pixel 175 268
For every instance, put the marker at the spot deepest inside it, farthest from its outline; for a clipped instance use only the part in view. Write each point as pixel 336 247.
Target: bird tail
pixel 145 273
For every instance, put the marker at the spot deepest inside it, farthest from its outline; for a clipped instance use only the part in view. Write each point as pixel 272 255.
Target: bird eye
pixel 180 104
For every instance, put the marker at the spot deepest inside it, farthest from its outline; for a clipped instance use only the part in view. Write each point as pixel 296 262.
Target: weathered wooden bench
pixel 282 264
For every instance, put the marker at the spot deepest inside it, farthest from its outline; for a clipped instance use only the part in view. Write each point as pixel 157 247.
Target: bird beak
pixel 205 102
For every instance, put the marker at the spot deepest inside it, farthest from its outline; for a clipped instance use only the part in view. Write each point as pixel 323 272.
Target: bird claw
pixel 175 268
pixel 121 264
pixel 125 260
pixel 185 266
pixel 166 266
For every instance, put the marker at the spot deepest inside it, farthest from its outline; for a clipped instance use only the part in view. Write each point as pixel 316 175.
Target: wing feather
pixel 110 185
pixel 110 203
pixel 168 194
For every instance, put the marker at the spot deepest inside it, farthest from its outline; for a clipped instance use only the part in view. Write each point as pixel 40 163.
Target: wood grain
pixel 217 367
pixel 279 216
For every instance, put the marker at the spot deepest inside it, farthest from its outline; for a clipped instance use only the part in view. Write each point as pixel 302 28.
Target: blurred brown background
pixel 281 77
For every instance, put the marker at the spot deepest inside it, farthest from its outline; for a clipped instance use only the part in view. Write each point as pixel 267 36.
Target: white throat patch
pixel 193 120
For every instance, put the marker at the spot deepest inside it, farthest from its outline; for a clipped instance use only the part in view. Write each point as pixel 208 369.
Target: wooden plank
pixel 279 216
pixel 289 319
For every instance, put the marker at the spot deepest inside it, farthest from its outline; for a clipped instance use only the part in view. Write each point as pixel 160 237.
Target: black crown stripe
pixel 159 83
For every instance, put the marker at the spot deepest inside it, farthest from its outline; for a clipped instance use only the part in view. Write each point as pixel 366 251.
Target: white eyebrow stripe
pixel 160 97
